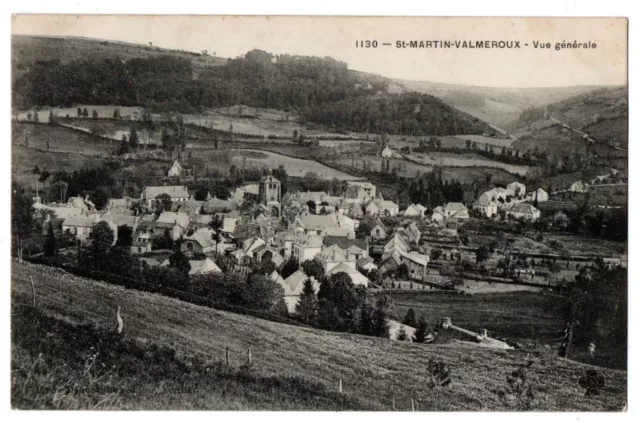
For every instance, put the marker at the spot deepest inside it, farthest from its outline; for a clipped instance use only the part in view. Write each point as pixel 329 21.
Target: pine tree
pixel 50 244
pixel 133 139
pixel 306 307
pixel 52 118
pixel 402 334
pixel 420 334
pixel 410 318
pixel 35 117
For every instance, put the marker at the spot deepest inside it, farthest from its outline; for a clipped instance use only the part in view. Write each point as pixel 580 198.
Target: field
pixel 24 159
pixel 61 140
pixel 373 371
pixel 267 159
pixel 462 174
pixel 466 160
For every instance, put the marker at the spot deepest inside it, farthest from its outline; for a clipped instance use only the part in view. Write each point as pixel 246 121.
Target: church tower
pixel 270 194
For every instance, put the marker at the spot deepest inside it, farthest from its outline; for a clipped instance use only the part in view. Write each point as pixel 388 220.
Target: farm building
pixel 456 210
pixel 356 277
pixel 142 242
pixel 438 214
pixel 417 264
pixel 333 256
pixel 378 232
pixel 366 265
pixel 305 247
pixel 175 171
pixel 360 190
pixel 386 151
pixel 539 195
pixel 525 211
pixel 517 188
pixel 82 226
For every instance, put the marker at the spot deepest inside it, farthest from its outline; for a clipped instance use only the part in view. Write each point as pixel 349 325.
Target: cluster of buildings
pixel 514 200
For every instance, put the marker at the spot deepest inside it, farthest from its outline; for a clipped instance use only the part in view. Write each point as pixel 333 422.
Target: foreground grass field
pixel 374 371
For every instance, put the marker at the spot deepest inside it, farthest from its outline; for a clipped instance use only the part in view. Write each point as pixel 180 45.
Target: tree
pixel 482 254
pixel 116 113
pixel 85 113
pixel 295 134
pixel 216 225
pixel 79 112
pixel 402 334
pixel 289 267
pixel 52 117
pixel 94 114
pixel 420 335
pixel 162 203
pixel 125 236
pixel 410 318
pixel 50 244
pixel 36 118
pixel 134 142
pixel 306 307
pixel 402 272
pixel 96 256
pixel 21 217
pixel 179 261
pixel 313 268
pixel 381 316
pixel 100 197
pixel 262 293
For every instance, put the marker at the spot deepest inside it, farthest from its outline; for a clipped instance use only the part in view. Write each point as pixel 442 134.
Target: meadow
pixel 374 372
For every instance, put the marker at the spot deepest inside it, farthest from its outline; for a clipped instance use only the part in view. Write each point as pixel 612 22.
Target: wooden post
pixel 249 355
pixel 33 291
pixel 119 321
pixel 413 408
pixel 417 405
pixel 393 403
pixel 227 356
pixel 340 386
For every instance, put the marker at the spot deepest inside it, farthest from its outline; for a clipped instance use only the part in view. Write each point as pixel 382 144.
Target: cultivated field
pixel 372 370
pixel 462 174
pixel 61 140
pixel 466 160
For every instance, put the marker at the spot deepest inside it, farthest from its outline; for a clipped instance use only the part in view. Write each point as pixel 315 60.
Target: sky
pixel 230 36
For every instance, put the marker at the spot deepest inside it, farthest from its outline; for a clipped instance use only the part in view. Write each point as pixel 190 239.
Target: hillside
pixel 602 114
pixel 27 50
pixel 496 105
pixel 373 371
pixel 54 73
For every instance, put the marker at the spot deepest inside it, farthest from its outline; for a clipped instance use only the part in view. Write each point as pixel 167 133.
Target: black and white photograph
pixel 318 213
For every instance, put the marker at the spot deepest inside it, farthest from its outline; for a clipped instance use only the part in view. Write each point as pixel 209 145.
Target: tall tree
pixel 50 244
pixel 410 318
pixel 306 307
pixel 313 268
pixel 133 139
pixel 21 217
pixel 420 335
pixel 179 261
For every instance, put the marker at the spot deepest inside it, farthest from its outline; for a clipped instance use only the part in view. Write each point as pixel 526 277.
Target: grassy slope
pixel 373 370
pixel 28 49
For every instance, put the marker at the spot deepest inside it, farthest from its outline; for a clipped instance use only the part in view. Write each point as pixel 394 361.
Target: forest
pixel 320 90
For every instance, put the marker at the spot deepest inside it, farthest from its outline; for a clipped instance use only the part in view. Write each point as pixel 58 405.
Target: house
pixel 486 204
pixel 372 209
pixel 54 223
pixel 123 220
pixel 82 226
pixel 199 267
pixel 416 263
pixel 293 286
pixel 304 247
pixel 331 224
pixel 334 255
pixel 518 189
pixel 579 186
pixel 191 207
pixel 356 248
pixel 366 265
pixel 201 241
pixel 360 190
pixel 378 232
pixel 390 260
pixel 539 195
pixel 229 225
pixel 142 242
pixel 524 211
pixel 438 214
pixel 415 210
pixel 176 222
pixel 410 233
pixel 175 171
pixel 456 211
pixel 356 277
pixel 355 211
pixel 178 193
pixel 388 208
pixel 396 243
pixel 386 152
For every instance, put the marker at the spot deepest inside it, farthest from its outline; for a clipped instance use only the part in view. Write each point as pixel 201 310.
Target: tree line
pixel 320 90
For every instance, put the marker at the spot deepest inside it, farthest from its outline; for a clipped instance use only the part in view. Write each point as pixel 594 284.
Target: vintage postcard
pixel 319 213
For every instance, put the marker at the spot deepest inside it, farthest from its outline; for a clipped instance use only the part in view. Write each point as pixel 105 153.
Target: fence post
pixel 413 408
pixel 33 291
pixel 227 356
pixel 119 321
pixel 249 355
pixel 340 386
pixel 393 403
